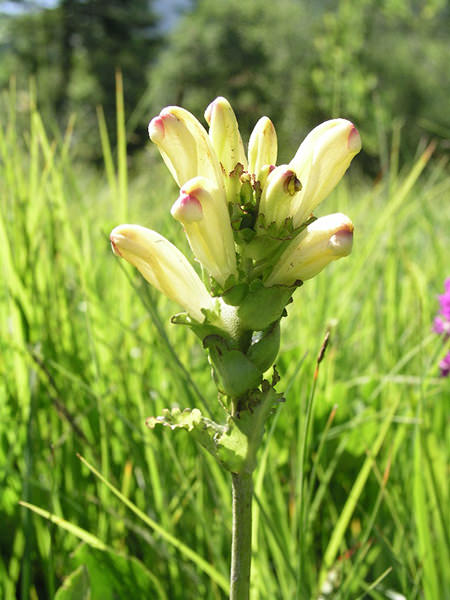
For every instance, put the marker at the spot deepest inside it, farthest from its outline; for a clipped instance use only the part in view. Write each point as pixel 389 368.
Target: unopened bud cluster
pixel 249 224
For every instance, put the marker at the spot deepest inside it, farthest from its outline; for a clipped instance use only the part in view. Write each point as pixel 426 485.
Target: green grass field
pixel 358 508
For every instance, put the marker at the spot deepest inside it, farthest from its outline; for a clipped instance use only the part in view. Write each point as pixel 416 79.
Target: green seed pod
pixel 264 348
pixel 234 372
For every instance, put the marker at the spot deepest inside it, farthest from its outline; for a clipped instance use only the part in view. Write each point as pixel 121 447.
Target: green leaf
pixel 235 444
pixel 238 445
pixel 80 533
pixel 76 586
pixel 203 429
pixel 355 493
pixel 186 551
pixel 114 576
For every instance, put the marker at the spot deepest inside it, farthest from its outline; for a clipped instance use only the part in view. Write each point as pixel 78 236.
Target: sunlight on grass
pixel 85 362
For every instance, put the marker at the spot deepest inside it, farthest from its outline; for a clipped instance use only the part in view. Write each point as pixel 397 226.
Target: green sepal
pixel 222 321
pixel 262 305
pixel 246 234
pixel 235 373
pixel 211 325
pixel 246 195
pixel 270 241
pixel 233 184
pixel 242 217
pixel 236 294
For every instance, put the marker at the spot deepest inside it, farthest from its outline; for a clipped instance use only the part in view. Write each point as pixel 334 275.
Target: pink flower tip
pixel 212 107
pixel 187 208
pixel 113 240
pixel 156 129
pixel 354 139
pixel 341 242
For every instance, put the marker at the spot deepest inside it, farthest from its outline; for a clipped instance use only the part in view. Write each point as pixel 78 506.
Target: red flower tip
pixel 354 139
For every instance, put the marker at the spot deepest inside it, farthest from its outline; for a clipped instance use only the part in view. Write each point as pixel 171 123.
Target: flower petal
pixel 224 134
pixel 208 228
pixel 185 146
pixel 276 199
pixel 323 241
pixel 262 146
pixel 320 163
pixel 162 265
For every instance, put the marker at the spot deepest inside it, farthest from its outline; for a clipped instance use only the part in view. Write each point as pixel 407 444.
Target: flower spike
pixel 323 241
pixel 208 228
pixel 164 266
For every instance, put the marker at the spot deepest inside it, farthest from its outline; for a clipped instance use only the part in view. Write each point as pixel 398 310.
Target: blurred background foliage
pixel 381 63
pixel 86 349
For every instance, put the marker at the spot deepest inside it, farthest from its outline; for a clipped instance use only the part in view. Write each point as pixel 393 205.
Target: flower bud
pixel 185 146
pixel 323 241
pixel 224 134
pixel 265 346
pixel 281 186
pixel 321 161
pixel 262 146
pixel 163 266
pixel 208 228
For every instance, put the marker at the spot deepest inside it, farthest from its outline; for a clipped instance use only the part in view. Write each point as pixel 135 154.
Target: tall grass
pixel 356 509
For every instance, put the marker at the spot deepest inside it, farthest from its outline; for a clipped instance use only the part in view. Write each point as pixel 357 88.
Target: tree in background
pixel 251 52
pixel 380 63
pixel 74 48
pixel 376 63
pixel 118 34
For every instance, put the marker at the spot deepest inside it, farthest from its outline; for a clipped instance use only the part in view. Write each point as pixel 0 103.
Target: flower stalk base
pixel 241 547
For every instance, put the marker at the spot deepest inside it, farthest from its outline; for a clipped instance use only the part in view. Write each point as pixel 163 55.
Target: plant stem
pixel 241 546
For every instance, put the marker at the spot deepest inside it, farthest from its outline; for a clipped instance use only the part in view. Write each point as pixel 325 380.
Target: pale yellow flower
pixel 207 227
pixel 164 266
pixel 326 239
pixel 237 213
pixel 320 162
pixel 224 134
pixel 262 146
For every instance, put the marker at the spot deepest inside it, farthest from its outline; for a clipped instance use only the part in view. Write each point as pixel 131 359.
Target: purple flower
pixel 444 365
pixel 444 300
pixel 441 324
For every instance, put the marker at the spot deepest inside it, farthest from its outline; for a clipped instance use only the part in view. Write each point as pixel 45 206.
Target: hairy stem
pixel 241 536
